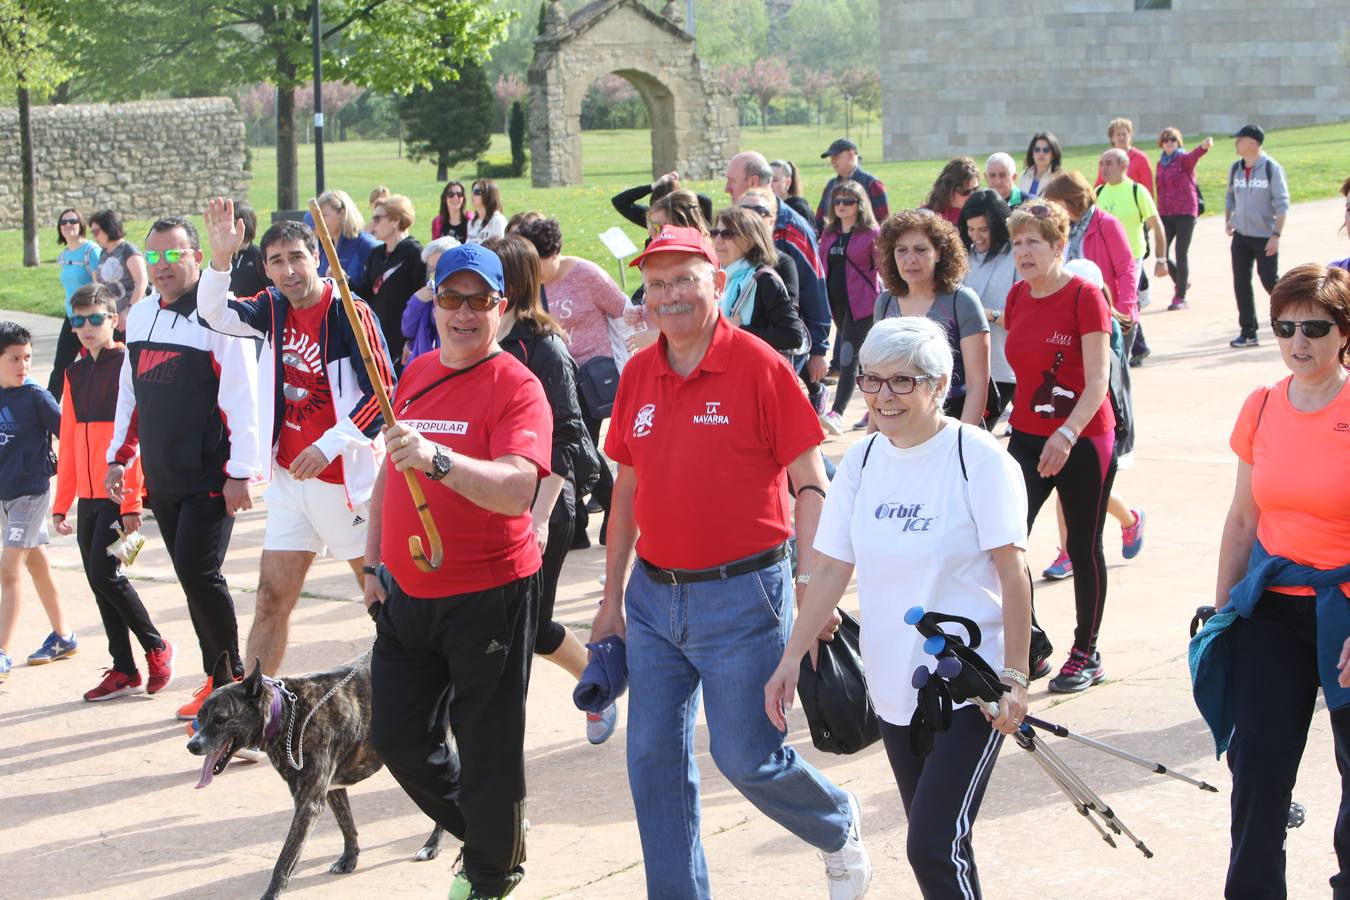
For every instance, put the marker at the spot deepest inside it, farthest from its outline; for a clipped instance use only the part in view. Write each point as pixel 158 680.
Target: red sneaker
pixel 160 664
pixel 188 711
pixel 114 684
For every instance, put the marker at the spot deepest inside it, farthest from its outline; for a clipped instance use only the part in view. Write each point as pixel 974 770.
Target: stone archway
pixel 694 122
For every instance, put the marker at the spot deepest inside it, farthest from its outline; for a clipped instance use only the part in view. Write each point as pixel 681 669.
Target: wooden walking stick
pixel 420 558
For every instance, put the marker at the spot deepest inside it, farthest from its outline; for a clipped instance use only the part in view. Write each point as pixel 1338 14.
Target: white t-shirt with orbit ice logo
pixel 920 534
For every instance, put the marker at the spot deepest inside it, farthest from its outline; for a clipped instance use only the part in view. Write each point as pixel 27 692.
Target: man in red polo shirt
pixel 708 427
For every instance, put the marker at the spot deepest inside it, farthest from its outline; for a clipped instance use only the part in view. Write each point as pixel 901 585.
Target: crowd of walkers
pixel 1007 297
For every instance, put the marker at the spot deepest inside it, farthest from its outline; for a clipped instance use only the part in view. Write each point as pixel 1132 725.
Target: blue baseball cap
pixel 473 258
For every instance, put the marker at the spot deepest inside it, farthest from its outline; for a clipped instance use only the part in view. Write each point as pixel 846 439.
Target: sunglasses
pixel 1312 328
pixel 965 192
pixel 1039 210
pixel 454 194
pixel 379 217
pixel 1171 140
pixel 727 233
pixel 152 257
pixel 899 384
pixel 451 301
pixel 70 221
pixel 95 319
pixel 478 192
pixel 1041 149
pixel 845 201
pixel 762 211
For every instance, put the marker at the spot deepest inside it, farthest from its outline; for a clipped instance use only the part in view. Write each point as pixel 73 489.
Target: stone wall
pixel 144 160
pixel 694 123
pixel 974 76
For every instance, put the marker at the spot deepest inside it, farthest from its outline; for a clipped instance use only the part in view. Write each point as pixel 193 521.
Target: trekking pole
pixel 421 559
pixel 1155 767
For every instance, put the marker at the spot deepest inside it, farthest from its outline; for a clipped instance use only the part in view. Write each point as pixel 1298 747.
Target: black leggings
pixel 67 348
pixel 196 531
pixel 849 340
pixel 118 603
pixel 604 488
pixel 561 524
pixel 942 794
pixel 1084 486
pixel 1179 229
pixel 1274 696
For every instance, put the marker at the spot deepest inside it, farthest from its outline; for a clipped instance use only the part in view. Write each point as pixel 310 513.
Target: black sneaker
pixel 1079 672
pixel 1244 340
pixel 1137 359
pixel 1041 669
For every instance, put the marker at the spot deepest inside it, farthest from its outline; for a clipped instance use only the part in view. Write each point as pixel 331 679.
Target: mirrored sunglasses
pixel 95 319
pixel 152 257
pixel 451 301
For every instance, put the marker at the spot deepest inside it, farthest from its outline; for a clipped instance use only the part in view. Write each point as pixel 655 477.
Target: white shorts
pixel 311 515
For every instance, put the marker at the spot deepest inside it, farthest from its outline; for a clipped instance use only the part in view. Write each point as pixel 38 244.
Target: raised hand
pixel 224 232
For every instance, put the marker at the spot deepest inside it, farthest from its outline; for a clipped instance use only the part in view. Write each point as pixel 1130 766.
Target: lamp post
pixel 318 103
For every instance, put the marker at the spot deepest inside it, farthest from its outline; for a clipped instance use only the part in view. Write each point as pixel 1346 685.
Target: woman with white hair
pixel 943 503
pixel 419 318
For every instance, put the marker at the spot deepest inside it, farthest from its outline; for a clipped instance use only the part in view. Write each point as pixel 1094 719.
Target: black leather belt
pixel 739 567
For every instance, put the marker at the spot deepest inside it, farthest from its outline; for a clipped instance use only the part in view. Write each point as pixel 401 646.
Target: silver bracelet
pixel 1067 433
pixel 1018 678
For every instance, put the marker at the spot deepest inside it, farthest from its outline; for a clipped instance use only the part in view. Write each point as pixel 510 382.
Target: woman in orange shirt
pixel 1289 523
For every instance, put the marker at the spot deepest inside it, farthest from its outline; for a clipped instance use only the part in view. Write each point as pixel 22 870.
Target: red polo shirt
pixel 495 410
pixel 709 450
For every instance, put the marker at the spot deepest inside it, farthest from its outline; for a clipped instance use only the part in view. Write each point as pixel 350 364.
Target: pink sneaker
pixel 1060 569
pixel 160 664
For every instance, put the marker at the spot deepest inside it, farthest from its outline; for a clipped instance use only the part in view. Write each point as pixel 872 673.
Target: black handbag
pixel 599 383
pixel 834 694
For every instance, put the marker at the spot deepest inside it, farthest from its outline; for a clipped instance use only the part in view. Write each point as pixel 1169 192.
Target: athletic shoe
pixel 1178 303
pixel 6 665
pixel 188 711
pixel 599 726
pixel 1079 672
pixel 861 423
pixel 160 666
pixel 1060 569
pixel 1132 537
pixel 833 422
pixel 1244 340
pixel 1137 359
pixel 594 508
pixel 821 402
pixel 461 889
pixel 114 684
pixel 1041 669
pixel 53 648
pixel 848 870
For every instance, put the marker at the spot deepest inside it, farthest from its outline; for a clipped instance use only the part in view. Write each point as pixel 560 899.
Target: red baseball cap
pixel 674 239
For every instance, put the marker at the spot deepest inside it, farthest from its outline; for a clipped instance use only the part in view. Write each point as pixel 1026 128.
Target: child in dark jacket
pixel 88 408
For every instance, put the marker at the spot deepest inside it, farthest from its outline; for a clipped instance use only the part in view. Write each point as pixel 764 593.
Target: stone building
pixel 974 76
pixel 695 128
pixel 143 160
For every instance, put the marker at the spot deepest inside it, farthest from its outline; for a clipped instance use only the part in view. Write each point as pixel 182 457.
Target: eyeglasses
pixel 70 221
pixel 762 211
pixel 675 285
pixel 727 233
pixel 172 257
pixel 1312 328
pixel 379 217
pixel 900 385
pixel 966 191
pixel 451 301
pixel 1041 149
pixel 845 201
pixel 95 319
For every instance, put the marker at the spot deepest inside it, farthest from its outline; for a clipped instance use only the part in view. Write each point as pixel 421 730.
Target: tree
pixel 863 85
pixel 385 45
pixel 337 96
pixel 509 89
pixel 765 81
pixel 517 130
pixel 813 85
pixel 31 33
pixel 451 121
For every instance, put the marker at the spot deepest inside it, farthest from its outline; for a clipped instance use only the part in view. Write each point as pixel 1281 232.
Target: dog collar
pixel 272 724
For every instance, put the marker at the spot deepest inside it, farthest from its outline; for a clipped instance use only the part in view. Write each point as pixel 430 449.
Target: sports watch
pixel 441 464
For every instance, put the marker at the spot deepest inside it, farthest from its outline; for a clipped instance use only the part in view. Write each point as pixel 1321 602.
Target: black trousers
pixel 463 663
pixel 1178 230
pixel 118 603
pixel 1084 485
pixel 848 341
pixel 1246 252
pixel 1274 689
pixel 196 530
pixel 561 528
pixel 604 488
pixel 67 348
pixel 942 793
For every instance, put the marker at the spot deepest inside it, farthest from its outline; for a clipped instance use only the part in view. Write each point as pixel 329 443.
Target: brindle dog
pixel 338 754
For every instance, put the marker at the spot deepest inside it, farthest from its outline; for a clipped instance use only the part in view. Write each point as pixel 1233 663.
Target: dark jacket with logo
pixel 29 418
pixel 187 400
pixel 547 357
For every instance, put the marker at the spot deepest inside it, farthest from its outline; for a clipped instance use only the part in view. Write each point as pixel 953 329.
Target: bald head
pixel 747 170
pixel 1114 162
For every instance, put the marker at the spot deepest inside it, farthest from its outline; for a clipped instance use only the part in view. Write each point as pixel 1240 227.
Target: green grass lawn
pixel 1313 157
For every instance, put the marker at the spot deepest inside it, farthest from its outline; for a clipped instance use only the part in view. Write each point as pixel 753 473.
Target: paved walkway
pixel 98 799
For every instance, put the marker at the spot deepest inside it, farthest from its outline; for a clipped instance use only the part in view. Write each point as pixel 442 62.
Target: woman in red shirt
pixel 1059 332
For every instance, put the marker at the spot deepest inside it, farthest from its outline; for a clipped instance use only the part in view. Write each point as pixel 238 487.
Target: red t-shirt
pixel 709 450
pixel 1304 517
pixel 305 389
pixel 1045 349
pixel 496 409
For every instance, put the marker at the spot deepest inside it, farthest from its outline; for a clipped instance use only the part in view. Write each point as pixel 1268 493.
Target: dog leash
pixel 280 685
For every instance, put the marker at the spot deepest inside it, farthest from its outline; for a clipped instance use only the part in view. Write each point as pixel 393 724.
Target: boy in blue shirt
pixel 29 418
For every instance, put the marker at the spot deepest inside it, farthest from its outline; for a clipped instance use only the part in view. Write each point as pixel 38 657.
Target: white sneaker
pixel 848 870
pixel 833 422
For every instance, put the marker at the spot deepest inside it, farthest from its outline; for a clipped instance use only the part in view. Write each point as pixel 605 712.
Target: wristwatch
pixel 441 464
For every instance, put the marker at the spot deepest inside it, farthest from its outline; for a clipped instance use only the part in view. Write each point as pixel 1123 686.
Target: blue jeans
pixel 721 639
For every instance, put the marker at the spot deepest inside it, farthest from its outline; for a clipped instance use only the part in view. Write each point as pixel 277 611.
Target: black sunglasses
pixel 477 192
pixel 1312 328
pixel 716 233
pixel 95 319
pixel 1041 149
pixel 845 201
pixel 70 221
pixel 454 193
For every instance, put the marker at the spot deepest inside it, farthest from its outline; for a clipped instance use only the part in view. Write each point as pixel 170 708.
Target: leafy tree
pixel 732 32
pixel 765 81
pixel 451 121
pixel 31 33
pixel 832 35
pixel 813 85
pixel 517 130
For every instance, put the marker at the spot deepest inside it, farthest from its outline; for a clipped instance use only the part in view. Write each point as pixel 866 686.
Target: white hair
pixel 915 342
pixel 1003 158
pixel 440 245
pixel 1115 153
